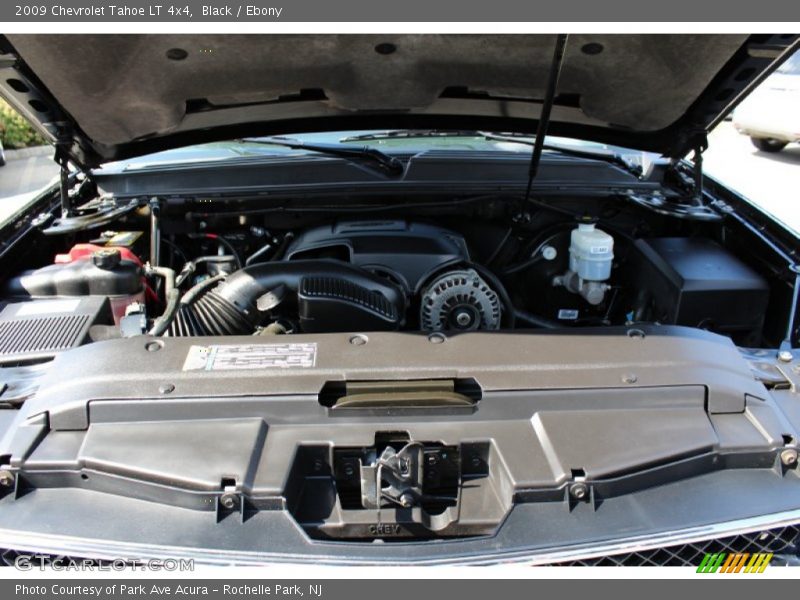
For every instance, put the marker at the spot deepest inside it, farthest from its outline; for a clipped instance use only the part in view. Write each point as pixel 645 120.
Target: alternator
pixel 461 301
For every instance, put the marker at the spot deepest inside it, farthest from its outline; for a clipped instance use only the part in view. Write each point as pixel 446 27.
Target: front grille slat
pixel 779 541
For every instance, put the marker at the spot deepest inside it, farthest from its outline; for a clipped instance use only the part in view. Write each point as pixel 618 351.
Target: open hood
pixel 108 97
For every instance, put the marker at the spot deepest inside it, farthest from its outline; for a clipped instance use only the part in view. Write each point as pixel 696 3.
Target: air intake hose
pixel 231 308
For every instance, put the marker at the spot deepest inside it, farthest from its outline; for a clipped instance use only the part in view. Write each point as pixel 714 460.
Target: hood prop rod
pixel 547 107
pixel 697 161
pixel 63 162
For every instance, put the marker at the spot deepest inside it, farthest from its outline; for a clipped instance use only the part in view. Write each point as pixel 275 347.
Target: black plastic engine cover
pixel 327 304
pixel 406 252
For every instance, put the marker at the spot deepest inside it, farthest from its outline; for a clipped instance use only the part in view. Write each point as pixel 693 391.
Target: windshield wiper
pixel 408 134
pixel 609 157
pixel 513 138
pixel 386 163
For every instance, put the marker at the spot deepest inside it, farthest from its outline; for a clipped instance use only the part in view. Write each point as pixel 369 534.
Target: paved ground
pixel 22 177
pixel 770 180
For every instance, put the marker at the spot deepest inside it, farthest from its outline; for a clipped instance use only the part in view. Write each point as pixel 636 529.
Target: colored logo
pixel 739 562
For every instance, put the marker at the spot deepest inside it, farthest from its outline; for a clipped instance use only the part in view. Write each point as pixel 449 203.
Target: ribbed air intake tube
pixel 231 307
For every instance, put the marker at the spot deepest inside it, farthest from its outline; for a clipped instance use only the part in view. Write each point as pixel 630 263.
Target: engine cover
pixel 408 253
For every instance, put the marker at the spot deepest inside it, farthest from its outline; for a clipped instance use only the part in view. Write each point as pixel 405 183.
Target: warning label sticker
pixel 251 356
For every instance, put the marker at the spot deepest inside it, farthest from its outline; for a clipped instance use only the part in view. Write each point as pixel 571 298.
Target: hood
pixel 109 97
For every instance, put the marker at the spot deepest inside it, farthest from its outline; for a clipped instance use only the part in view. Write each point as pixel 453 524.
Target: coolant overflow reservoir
pixel 591 253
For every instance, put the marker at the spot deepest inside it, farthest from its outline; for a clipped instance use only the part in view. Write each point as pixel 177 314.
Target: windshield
pixel 791 66
pixel 389 142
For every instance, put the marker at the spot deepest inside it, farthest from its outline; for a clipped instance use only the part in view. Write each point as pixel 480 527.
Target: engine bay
pixel 405 369
pixel 488 266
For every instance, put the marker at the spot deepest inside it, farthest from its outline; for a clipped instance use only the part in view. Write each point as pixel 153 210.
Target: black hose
pixel 230 248
pixel 191 265
pixel 493 256
pixel 523 265
pixel 172 296
pixel 514 314
pixel 277 254
pixel 535 320
pixel 200 288
pixel 230 308
pixel 162 323
pixel 257 254
pixel 245 286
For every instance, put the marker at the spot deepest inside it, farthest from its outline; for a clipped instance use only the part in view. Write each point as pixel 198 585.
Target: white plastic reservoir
pixel 591 253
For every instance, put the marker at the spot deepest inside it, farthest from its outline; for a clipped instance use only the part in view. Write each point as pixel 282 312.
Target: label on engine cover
pixel 250 357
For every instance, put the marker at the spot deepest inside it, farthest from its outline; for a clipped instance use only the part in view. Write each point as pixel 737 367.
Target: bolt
pixel 789 457
pixel 359 340
pixel 432 460
pixel 629 378
pixel 785 356
pixel 317 465
pixel 228 501
pixel 436 338
pixel 476 461
pixel 6 478
pixel 579 491
pixel 166 388
pixel 348 470
pixel 463 319
pixel 406 500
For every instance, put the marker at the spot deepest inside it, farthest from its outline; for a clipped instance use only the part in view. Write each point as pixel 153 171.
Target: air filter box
pixel 697 283
pixel 41 328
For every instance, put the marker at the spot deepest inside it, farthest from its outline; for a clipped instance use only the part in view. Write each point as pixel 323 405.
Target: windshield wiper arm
pixel 409 134
pixel 385 162
pixel 609 157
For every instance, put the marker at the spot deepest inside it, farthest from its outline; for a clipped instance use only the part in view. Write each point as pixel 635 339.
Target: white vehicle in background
pixel 771 114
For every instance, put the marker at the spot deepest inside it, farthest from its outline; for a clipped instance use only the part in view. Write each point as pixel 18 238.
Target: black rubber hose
pixel 163 322
pixel 230 308
pixel 514 314
pixel 535 320
pixel 523 265
pixel 201 288
pixel 245 286
pixel 172 296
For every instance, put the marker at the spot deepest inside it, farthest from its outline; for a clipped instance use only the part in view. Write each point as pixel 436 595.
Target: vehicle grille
pixel 782 542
